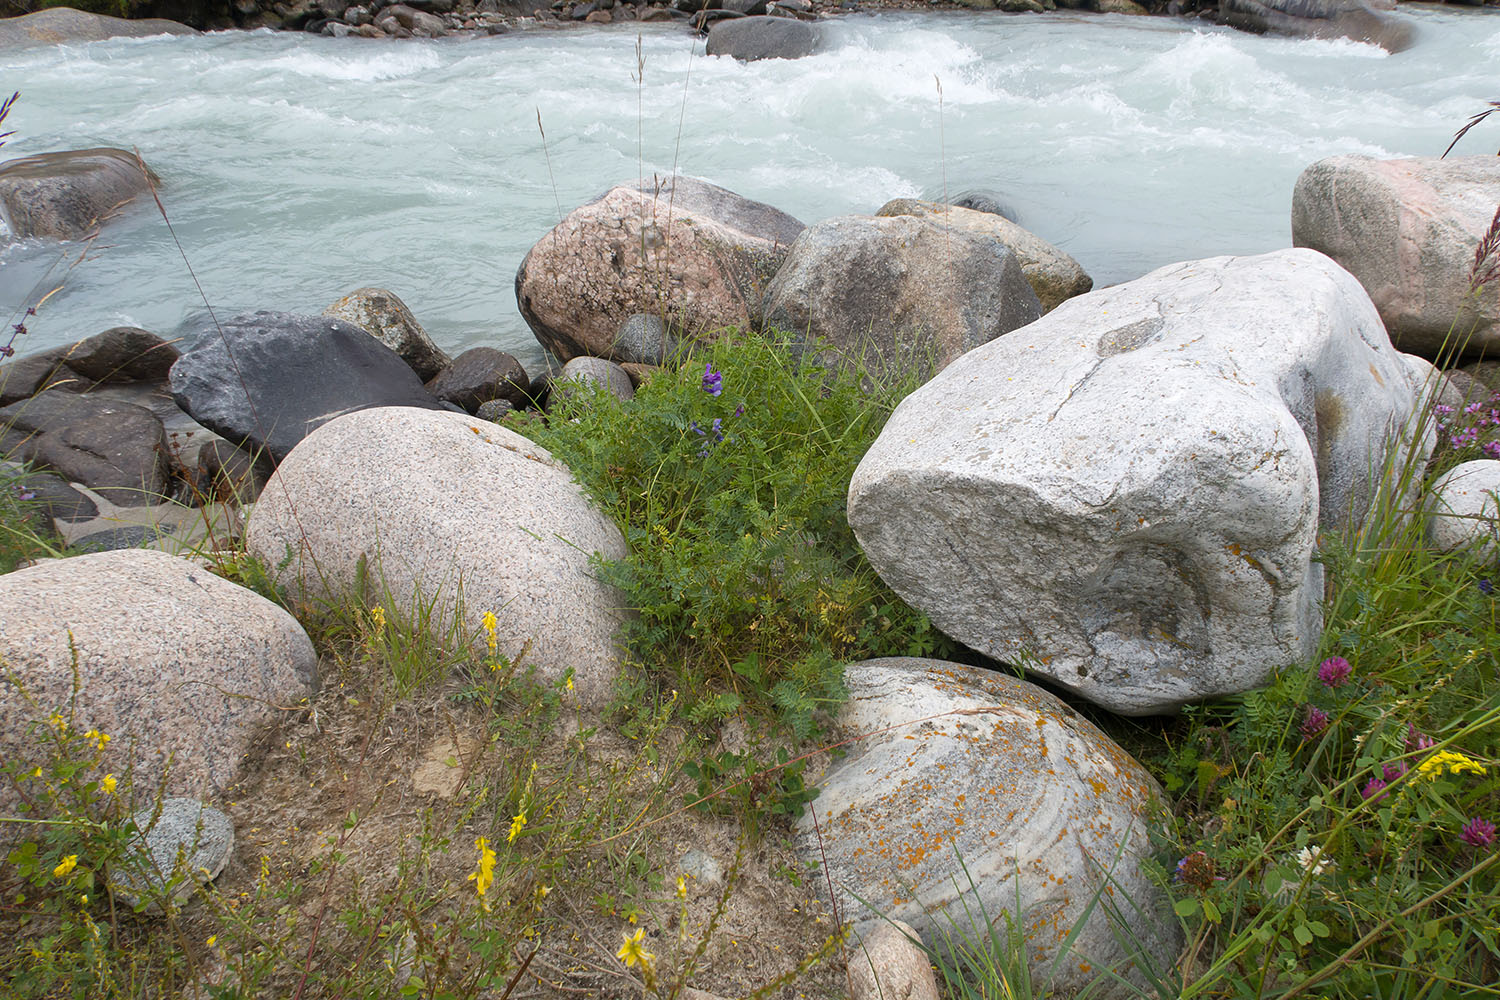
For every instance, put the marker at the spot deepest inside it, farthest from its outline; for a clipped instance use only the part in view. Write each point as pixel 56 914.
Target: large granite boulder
pixel 68 195
pixel 385 317
pixel 1126 495
pixel 456 512
pixel 179 667
pixel 1354 19
pixel 1463 509
pixel 1052 274
pixel 266 379
pixel 1408 230
pixel 693 252
pixel 751 38
pixel 969 791
pixel 60 25
pixel 899 292
pixel 116 448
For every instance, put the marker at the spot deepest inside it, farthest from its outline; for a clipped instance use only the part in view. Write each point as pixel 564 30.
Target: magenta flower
pixel 1393 772
pixel 1478 833
pixel 1374 789
pixel 1416 740
pixel 1334 671
pixel 1314 722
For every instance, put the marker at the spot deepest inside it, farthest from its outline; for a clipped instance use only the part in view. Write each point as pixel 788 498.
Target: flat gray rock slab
pixel 68 195
pixel 1126 495
pixel 186 846
pixel 1408 230
pixel 958 768
pixel 174 663
pixel 433 505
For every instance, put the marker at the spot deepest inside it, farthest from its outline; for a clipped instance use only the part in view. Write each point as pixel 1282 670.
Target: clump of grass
pixel 728 475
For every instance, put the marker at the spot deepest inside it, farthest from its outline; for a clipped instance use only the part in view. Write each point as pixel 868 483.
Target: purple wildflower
pixel 1492 449
pixel 1416 740
pixel 1314 722
pixel 693 426
pixel 1393 772
pixel 1374 789
pixel 718 434
pixel 6 350
pixel 713 382
pixel 1334 671
pixel 1486 587
pixel 1479 833
pixel 1443 410
pixel 739 411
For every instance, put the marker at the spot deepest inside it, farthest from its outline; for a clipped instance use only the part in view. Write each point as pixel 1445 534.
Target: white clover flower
pixel 1311 859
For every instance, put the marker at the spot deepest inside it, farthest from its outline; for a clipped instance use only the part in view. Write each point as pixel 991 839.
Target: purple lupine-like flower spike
pixel 713 381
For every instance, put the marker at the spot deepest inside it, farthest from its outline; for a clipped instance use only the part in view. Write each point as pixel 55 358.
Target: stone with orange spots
pixel 971 790
pixel 1127 494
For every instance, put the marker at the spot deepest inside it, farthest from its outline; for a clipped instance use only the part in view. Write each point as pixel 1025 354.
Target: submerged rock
pixel 1126 495
pixel 752 38
pixel 68 195
pixel 968 793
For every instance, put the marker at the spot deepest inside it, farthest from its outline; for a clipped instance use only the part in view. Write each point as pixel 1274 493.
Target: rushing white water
pixel 298 168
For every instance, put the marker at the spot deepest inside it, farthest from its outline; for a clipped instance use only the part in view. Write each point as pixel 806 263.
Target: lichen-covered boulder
pixel 1052 274
pixel 68 195
pixel 1408 230
pixel 457 513
pixel 1463 509
pixel 688 250
pixel 898 293
pixel 180 668
pixel 383 315
pixel 968 790
pixel 1126 494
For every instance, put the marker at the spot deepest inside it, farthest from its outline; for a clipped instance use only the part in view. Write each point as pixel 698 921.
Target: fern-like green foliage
pixel 747 586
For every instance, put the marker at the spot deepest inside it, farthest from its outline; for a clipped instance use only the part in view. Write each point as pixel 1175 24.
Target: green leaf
pixel 1303 934
pixel 1318 928
pixel 1211 911
pixel 1186 907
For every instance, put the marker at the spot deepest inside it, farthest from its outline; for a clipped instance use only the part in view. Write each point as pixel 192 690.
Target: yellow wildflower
pixel 100 739
pixel 377 618
pixel 633 951
pixel 108 783
pixel 517 824
pixel 211 939
pixel 484 875
pixel 490 627
pixel 65 866
pixel 1452 761
pixel 569 685
pixel 681 887
pixel 58 722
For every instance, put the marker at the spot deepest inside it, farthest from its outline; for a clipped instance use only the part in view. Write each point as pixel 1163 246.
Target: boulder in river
pixel 687 250
pixel 1354 19
pixel 68 195
pixel 751 38
pixel 1126 495
pixel 61 25
pixel 1409 230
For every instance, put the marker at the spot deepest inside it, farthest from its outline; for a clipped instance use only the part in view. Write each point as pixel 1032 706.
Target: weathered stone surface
pixel 479 375
pixel 418 23
pixel 188 845
pixel 434 503
pixel 36 373
pixel 1354 19
pixel 266 379
pixel 595 371
pixel 116 448
pixel 980 200
pixel 899 291
pixel 60 25
pixel 1463 509
pixel 963 768
pixel 1052 274
pixel 690 251
pixel 1408 229
pixel 226 473
pixel 48 494
pixel 889 964
pixel 172 662
pixel 122 354
pixel 494 410
pixel 750 38
pixel 67 195
pixel 385 317
pixel 1126 495
pixel 643 340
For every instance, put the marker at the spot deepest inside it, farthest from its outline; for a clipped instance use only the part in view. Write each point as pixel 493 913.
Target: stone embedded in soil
pixel 188 845
pixel 969 789
pixel 180 667
pixel 1463 509
pixel 890 964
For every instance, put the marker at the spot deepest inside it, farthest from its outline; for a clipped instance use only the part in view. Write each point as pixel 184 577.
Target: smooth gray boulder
pixel 687 250
pixel 1463 509
pixel 751 38
pixel 643 340
pixel 479 375
pixel 958 768
pixel 68 195
pixel 385 317
pixel 265 380
pixel 117 448
pixel 61 25
pixel 897 293
pixel 440 506
pixel 1354 19
pixel 594 371
pixel 176 848
pixel 981 200
pixel 1052 274
pixel 181 668
pixel 1126 495
pixel 1408 230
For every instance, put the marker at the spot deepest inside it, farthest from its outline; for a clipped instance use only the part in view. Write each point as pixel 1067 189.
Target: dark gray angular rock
pixel 122 354
pixel 494 410
pixel 117 449
pixel 223 472
pixel 479 375
pixel 750 8
pixel 67 195
pixel 298 372
pixel 51 496
pixel 750 38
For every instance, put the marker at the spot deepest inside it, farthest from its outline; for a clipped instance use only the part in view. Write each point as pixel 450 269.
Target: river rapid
pixel 297 168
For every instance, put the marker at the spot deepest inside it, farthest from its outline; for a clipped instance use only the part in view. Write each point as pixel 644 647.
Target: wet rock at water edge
pixel 479 375
pixel 116 448
pixel 753 38
pixel 59 25
pixel 69 195
pixel 1353 19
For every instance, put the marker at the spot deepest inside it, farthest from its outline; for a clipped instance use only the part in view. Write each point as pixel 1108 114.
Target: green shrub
pixel 728 475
